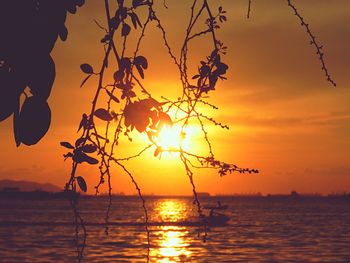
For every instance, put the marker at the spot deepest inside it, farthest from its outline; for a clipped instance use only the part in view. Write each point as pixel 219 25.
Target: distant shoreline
pixel 38 194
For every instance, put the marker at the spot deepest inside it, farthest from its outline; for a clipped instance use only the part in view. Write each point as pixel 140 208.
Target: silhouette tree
pixel 28 71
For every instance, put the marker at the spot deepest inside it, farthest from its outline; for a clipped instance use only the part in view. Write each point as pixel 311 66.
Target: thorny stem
pixel 313 42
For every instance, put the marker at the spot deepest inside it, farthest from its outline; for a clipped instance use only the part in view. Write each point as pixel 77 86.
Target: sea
pixel 260 229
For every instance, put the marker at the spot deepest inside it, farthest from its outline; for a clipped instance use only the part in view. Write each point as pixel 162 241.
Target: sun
pixel 174 138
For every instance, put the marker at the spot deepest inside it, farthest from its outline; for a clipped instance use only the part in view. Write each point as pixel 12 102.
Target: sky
pixel 285 119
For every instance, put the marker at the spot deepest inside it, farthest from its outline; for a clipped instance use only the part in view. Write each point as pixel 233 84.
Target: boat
pixel 217 219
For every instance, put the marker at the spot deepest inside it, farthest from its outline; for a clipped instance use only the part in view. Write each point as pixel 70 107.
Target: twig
pixel 313 42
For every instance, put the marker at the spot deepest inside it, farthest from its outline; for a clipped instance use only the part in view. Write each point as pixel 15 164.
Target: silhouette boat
pixel 217 219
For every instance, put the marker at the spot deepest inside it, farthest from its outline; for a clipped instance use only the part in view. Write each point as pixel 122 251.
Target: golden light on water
pixel 171 244
pixel 171 211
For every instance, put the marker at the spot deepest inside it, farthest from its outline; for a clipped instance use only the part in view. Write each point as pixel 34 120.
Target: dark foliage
pixel 29 30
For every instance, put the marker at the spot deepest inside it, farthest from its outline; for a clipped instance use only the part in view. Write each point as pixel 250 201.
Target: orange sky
pixel 285 119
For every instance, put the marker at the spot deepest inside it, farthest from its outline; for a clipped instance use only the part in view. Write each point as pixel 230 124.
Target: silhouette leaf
pixel 41 76
pixel 114 23
pixel 79 141
pixel 67 145
pixel 86 79
pixel 125 65
pixel 135 20
pixel 141 61
pixel 165 118
pixel 157 151
pixel 82 183
pixel 91 160
pixel 113 97
pixel 136 3
pixel 34 120
pixel 81 157
pixel 83 122
pixel 89 148
pixel 103 114
pixel 118 75
pixel 140 70
pixel 87 68
pixel 125 30
pixel 121 12
pixel 63 33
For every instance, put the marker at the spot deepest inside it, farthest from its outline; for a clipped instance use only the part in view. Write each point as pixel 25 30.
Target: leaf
pixel 122 12
pixel 114 23
pixel 133 19
pixel 213 54
pixel 68 155
pixel 79 2
pixel 157 151
pixel 223 18
pixel 125 65
pixel 136 3
pixel 147 104
pixel 125 30
pixel 67 145
pixel 87 68
pixel 222 68
pixel 140 70
pixel 86 79
pixel 91 160
pixel 138 21
pixel 204 70
pixel 103 114
pixel 195 76
pixel 212 81
pixel 83 122
pixel 16 124
pixel 81 157
pixel 89 148
pixel 113 97
pixel 63 33
pixel 41 76
pixel 118 75
pixel 79 142
pixel 141 61
pixel 82 183
pixel 165 118
pixel 34 120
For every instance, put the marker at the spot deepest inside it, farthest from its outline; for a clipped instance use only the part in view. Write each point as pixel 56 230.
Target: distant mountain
pixel 27 186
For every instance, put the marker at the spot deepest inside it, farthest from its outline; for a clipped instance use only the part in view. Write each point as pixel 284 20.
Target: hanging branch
pixel 313 42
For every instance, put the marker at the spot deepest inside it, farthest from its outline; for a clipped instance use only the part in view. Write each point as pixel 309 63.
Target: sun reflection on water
pixel 171 244
pixel 171 211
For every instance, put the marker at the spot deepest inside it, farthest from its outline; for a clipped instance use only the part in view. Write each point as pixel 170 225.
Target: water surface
pixel 260 230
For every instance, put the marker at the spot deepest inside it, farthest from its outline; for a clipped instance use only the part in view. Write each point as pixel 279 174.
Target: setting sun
pixel 174 138
pixel 171 137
